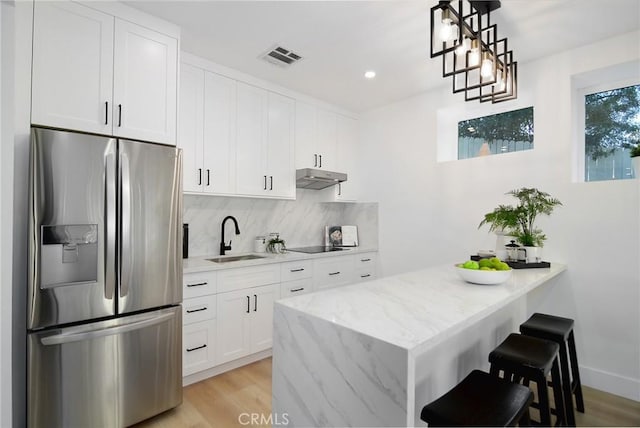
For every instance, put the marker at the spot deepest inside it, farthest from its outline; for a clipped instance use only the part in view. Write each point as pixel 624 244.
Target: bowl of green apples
pixel 490 271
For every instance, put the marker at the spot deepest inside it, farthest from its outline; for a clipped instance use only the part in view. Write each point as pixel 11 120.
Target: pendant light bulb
pixel 474 54
pixel 500 81
pixel 464 47
pixel 486 70
pixel 447 30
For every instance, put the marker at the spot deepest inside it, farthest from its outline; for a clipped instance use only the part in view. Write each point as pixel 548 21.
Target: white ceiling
pixel 340 40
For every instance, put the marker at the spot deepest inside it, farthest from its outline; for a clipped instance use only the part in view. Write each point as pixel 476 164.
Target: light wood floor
pixel 228 399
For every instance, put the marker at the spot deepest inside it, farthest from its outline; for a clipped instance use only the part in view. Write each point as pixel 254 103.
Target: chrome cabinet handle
pixel 334 273
pixel 196 348
pixel 296 270
pixel 190 311
pixel 365 276
pixel 365 260
pixel 255 303
pixel 295 290
pixel 197 284
pixel 248 304
pixel 119 115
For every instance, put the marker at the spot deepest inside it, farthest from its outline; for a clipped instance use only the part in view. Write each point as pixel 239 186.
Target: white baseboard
pixel 214 371
pixel 610 382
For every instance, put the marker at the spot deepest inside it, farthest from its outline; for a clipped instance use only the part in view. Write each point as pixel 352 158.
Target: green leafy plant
pixel 519 221
pixel 635 151
pixel 276 245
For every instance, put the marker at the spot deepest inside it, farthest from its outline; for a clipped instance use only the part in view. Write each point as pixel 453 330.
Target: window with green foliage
pixel 611 127
pixel 499 133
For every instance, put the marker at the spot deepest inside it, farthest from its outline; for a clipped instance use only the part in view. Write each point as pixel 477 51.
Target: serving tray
pixel 518 265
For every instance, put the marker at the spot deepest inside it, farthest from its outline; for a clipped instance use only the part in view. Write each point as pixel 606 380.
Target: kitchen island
pixel 372 354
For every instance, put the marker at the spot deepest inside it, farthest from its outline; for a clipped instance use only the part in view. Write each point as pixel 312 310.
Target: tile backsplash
pixel 300 223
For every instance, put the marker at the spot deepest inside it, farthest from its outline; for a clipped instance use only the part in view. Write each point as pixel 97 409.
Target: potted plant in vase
pixel 519 221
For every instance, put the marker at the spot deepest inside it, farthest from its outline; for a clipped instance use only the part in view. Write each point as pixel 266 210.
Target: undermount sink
pixel 235 258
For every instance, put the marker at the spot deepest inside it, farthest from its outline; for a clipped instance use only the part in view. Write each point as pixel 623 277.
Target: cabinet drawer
pixel 366 266
pixel 332 272
pixel 198 284
pixel 291 271
pixel 198 346
pixel 198 309
pixel 236 279
pixel 295 288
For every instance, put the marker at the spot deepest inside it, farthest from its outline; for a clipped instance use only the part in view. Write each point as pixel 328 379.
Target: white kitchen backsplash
pixel 300 222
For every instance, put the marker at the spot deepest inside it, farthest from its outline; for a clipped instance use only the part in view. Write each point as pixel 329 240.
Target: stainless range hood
pixel 316 179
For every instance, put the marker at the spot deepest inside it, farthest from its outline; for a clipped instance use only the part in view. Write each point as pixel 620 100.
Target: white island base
pixel 372 354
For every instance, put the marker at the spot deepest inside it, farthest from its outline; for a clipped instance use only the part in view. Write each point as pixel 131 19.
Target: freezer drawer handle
pixel 190 311
pixel 334 273
pixel 295 290
pixel 297 270
pixel 196 348
pixel 60 339
pixel 197 284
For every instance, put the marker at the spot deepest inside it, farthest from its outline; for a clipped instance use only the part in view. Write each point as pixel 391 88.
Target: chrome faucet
pixel 223 246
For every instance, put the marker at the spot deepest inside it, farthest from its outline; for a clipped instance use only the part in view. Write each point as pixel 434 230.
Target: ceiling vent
pixel 281 57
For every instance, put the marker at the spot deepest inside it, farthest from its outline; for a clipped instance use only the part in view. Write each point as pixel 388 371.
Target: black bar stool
pixel 531 359
pixel 560 330
pixel 480 400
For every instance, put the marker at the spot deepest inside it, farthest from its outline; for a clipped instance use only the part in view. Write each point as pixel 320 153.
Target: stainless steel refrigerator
pixel 104 319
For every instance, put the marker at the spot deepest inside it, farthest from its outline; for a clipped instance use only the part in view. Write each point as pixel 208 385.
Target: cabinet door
pixel 72 67
pixel 145 84
pixel 219 134
pixel 306 125
pixel 347 139
pixel 251 168
pixel 280 149
pixel 198 346
pixel 233 331
pixel 327 134
pixel 261 318
pixel 190 137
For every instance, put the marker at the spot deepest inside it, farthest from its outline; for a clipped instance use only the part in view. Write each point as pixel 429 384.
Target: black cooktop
pixel 314 250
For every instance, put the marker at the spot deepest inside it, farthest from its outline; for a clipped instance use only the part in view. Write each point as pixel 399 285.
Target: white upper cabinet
pixel 280 146
pixel 97 73
pixel 347 139
pixel 251 159
pixel 145 84
pixel 264 143
pixel 207 131
pixel 219 134
pixel 191 126
pixel 316 133
pixel 72 67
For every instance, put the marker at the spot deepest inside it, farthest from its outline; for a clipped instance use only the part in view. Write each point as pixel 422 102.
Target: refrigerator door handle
pixel 110 223
pixel 59 339
pixel 125 225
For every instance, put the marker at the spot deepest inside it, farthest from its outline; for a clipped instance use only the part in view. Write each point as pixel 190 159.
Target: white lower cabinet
pixel 228 314
pixel 199 334
pixel 245 321
pixel 333 272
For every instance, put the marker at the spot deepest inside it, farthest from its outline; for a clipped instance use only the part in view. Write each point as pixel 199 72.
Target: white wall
pixel 434 219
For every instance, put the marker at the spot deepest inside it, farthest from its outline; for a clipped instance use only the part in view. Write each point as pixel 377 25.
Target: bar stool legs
pixel 576 386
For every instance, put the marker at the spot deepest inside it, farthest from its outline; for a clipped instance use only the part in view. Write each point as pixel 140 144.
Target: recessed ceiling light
pixel 370 74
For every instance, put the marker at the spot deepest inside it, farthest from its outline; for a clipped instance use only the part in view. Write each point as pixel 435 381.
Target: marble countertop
pixel 415 309
pixel 201 264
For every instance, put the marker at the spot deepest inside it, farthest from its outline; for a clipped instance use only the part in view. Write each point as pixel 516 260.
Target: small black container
pixel 185 240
